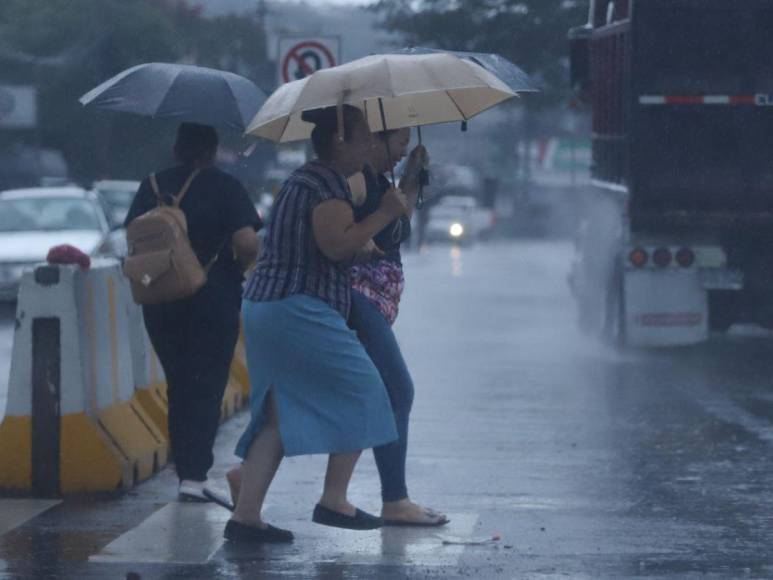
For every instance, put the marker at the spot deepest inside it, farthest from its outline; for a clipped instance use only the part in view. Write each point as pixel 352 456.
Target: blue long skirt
pixel 329 395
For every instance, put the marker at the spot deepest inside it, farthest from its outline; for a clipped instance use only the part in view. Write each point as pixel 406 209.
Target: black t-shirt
pixel 216 206
pixel 391 237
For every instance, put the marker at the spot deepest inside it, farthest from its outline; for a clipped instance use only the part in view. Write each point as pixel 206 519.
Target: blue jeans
pixel 380 343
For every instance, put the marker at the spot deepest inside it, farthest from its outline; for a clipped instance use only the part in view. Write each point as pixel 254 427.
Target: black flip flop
pixel 218 498
pixel 359 521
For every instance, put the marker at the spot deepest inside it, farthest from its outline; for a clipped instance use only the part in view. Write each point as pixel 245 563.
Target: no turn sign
pixel 301 56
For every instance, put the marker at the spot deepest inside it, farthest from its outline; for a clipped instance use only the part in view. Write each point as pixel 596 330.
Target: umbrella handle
pixel 386 141
pixel 423 178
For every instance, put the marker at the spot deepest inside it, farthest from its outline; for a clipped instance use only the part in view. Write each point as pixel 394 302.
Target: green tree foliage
pixel 66 47
pixel 531 33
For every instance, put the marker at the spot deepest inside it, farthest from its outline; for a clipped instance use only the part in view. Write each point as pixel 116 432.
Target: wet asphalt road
pixel 588 463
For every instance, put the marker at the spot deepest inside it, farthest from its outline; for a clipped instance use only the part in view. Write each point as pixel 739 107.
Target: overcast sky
pixel 346 19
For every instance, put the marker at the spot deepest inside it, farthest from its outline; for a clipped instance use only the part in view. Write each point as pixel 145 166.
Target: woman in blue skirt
pixel 314 388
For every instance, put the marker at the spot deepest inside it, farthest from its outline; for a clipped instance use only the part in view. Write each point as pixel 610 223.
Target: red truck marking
pixel 761 100
pixel 669 319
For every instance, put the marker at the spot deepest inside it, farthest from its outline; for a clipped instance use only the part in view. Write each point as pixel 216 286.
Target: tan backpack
pixel 161 264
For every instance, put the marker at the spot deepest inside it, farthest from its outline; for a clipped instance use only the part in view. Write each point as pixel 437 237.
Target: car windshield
pixel 120 198
pixel 449 211
pixel 47 214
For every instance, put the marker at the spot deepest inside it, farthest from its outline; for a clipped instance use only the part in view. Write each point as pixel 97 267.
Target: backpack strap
pixel 154 187
pixel 180 195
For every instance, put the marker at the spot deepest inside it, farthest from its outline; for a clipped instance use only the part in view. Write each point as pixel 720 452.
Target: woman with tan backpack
pixel 191 306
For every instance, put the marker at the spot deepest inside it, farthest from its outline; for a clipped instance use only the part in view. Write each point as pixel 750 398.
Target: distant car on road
pixel 119 195
pixel 459 218
pixel 453 219
pixel 34 220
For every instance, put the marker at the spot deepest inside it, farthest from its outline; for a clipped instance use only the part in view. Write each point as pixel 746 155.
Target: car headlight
pixel 456 230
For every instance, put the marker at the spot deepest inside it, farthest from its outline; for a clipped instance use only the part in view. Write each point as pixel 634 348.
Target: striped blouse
pixel 291 262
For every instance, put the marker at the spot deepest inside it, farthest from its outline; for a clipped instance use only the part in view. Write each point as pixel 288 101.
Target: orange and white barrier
pixel 87 407
pixel 149 380
pixel 73 422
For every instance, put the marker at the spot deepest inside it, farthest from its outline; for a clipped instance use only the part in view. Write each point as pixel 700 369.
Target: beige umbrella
pixel 394 91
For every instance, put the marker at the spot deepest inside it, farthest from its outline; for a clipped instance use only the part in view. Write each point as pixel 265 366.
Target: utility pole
pixel 264 76
pixel 261 12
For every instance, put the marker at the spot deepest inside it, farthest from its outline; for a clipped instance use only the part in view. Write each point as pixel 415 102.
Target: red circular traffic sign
pixel 308 57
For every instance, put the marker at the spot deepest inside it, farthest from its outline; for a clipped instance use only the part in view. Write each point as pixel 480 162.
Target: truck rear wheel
pixel 722 313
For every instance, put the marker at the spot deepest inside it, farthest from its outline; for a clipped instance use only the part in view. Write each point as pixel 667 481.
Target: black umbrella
pixel 509 73
pixel 181 93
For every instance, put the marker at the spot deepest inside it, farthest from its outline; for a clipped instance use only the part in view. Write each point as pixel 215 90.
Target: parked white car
pixel 34 220
pixel 119 195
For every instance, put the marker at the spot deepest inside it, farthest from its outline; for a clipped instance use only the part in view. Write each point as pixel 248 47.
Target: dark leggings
pixel 195 341
pixel 379 341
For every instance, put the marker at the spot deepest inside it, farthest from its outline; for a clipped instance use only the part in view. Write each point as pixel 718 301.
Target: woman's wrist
pixel 409 182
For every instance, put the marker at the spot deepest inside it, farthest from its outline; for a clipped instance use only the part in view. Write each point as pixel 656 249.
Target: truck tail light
pixel 638 257
pixel 662 257
pixel 685 257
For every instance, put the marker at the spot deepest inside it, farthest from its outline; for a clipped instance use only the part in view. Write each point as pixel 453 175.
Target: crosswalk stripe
pixel 387 546
pixel 185 533
pixel 14 512
pixel 179 533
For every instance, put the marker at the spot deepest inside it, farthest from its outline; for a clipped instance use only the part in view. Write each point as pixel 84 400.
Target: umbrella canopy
pixel 414 90
pixel 505 70
pixel 180 92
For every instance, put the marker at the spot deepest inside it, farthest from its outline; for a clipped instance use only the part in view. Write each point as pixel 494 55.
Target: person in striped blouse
pixel 314 388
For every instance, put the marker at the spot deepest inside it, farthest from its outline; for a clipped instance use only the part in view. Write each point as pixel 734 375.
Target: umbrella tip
pixel 464 126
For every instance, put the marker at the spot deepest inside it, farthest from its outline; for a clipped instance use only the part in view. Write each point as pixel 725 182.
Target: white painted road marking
pixel 179 533
pixel 187 533
pixel 389 546
pixel 14 512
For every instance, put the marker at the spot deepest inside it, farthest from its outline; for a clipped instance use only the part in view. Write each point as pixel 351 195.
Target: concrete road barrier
pixel 73 422
pixel 149 380
pixel 87 405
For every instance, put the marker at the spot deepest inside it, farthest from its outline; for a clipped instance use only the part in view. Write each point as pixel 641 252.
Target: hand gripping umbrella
pixel 505 70
pixel 180 92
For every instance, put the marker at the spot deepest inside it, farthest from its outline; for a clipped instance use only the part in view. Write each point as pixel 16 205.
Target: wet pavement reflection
pixel 585 461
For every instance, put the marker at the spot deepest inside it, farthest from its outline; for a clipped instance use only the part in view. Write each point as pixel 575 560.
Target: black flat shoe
pixel 359 521
pixel 238 532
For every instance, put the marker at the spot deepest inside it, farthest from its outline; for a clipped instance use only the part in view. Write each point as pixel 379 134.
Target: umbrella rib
pixel 284 128
pixel 389 78
pixel 450 96
pixel 236 104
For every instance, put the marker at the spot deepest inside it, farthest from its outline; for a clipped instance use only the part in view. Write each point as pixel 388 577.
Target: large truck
pixel 678 237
